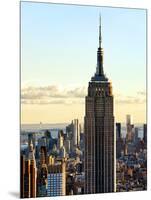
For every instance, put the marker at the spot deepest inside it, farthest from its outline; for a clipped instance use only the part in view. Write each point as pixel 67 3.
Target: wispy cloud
pixel 52 94
pixel 138 98
pixel 132 100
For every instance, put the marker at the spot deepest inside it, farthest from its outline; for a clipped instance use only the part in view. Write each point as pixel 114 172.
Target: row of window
pixel 52 191
pixel 54 185
pixel 54 176
pixel 51 174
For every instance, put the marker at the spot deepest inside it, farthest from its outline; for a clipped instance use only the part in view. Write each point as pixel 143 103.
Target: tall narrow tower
pixel 99 131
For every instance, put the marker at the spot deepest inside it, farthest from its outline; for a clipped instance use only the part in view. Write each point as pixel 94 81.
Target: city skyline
pixel 100 155
pixel 57 86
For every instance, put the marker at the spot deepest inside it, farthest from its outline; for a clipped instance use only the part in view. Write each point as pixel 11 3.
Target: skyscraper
pixel 118 131
pixel 31 138
pixel 99 131
pixel 60 139
pixel 129 119
pixel 145 133
pixel 33 172
pixel 136 138
pixel 57 178
pixel 22 172
pixel 119 140
pixel 129 127
pixel 42 181
pixel 43 155
pixel 73 131
pixel 76 132
pixel 28 173
pixel 27 179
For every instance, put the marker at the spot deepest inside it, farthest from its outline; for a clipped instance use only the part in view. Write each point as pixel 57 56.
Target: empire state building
pixel 99 131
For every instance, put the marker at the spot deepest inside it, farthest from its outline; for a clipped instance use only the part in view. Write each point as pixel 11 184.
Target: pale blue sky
pixel 59 45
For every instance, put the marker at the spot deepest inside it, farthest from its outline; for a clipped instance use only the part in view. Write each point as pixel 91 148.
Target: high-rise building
pixel 73 132
pixel 67 145
pixel 42 143
pixel 51 160
pixel 145 133
pixel 69 130
pixel 42 181
pixel 119 140
pixel 33 172
pixel 76 132
pixel 57 179
pixel 99 131
pixel 63 152
pixel 31 138
pixel 60 139
pixel 129 119
pixel 27 179
pixel 22 172
pixel 118 131
pixel 136 138
pixel 48 139
pixel 129 128
pixel 43 155
pixel 29 174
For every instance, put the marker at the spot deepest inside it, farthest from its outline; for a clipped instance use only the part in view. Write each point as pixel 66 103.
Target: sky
pixel 59 54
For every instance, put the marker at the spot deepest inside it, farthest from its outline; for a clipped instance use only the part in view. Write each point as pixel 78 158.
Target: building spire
pixel 99 75
pixel 100 36
pixel 100 53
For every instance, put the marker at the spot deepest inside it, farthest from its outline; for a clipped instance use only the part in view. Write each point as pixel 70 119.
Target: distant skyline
pixel 58 58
